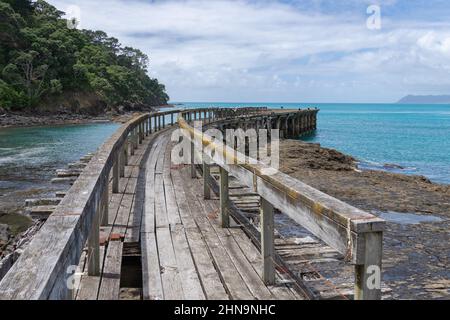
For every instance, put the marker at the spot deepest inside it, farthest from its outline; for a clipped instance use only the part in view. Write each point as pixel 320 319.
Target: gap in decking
pixel 131 272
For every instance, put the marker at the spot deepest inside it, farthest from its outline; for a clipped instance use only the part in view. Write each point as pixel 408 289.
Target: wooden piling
pixel 368 275
pixel 224 198
pixel 267 242
pixel 206 177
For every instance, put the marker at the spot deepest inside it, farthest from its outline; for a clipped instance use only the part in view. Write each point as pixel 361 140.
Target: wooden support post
pixel 206 177
pixel 104 206
pixel 150 129
pixel 122 160
pixel 125 152
pixel 368 275
pixel 171 119
pixel 131 144
pixel 163 121
pixel 116 174
pixel 267 242
pixel 138 131
pixel 224 196
pixel 94 247
pixel 136 138
pixel 159 122
pixel 193 172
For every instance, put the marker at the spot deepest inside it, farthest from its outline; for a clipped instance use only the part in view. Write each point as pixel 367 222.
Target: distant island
pixel 438 99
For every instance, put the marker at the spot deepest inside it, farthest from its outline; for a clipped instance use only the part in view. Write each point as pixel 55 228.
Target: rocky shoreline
pixel 416 255
pixel 62 117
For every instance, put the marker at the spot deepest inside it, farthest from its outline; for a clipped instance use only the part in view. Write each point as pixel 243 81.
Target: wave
pixel 26 155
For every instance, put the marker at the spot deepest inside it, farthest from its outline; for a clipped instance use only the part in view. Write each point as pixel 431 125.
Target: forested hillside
pixel 44 62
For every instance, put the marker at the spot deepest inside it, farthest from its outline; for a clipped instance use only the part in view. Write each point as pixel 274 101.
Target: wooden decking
pixel 136 226
pixel 185 254
pixel 120 235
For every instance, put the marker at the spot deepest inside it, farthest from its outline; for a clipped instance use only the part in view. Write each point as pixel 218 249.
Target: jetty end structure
pixel 135 224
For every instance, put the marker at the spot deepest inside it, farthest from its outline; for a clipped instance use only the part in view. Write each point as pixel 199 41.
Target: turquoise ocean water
pixel 30 155
pixel 416 137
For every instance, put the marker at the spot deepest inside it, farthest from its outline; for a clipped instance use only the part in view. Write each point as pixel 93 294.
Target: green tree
pixel 27 75
pixel 40 57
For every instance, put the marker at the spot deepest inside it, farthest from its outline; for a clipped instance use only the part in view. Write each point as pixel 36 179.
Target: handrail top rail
pixel 321 203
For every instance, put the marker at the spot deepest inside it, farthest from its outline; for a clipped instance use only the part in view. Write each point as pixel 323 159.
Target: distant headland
pixel 438 99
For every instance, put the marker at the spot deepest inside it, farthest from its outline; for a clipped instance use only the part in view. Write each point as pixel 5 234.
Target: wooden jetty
pixel 136 226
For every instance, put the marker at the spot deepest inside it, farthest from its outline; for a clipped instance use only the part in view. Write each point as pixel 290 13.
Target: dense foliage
pixel 40 58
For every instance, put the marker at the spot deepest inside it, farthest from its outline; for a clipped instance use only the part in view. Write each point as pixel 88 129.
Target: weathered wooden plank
pixel 190 281
pixel 169 270
pixel 248 274
pixel 211 282
pixel 89 284
pixel 279 290
pixel 42 202
pixel 123 215
pixel 231 277
pixel 110 282
pixel 151 272
pixel 161 217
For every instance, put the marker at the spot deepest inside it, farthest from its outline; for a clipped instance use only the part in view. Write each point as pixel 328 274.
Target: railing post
pixel 171 118
pixel 267 242
pixel 140 133
pixel 122 155
pixel 225 217
pixel 193 172
pixel 206 177
pixel 94 247
pixel 132 142
pixel 159 122
pixel 136 137
pixel 368 275
pixel 105 205
pixel 116 174
pixel 164 121
pixel 150 129
pixel 145 124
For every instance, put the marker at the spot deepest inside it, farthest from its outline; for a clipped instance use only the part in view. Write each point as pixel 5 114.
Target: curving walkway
pixel 185 252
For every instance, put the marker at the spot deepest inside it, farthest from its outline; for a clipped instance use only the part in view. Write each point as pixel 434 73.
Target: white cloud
pixel 266 51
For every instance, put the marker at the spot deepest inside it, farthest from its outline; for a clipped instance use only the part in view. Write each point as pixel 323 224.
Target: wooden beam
pixel 94 248
pixel 267 242
pixel 224 198
pixel 116 174
pixel 368 275
pixel 206 177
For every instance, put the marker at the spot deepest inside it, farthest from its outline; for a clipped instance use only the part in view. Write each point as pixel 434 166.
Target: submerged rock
pixel 393 166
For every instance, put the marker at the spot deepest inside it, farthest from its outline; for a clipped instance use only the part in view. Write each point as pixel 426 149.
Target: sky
pixel 283 51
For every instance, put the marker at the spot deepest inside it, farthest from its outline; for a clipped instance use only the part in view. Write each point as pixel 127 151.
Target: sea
pixel 409 139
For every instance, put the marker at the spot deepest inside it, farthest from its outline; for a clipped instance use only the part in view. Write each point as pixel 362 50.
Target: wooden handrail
pixel 354 233
pixel 41 272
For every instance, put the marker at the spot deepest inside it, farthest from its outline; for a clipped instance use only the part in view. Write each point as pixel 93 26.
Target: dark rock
pixel 392 166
